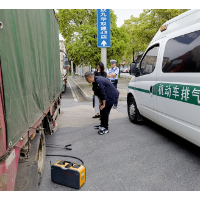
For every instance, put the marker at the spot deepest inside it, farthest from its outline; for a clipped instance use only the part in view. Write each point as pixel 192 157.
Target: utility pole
pixel 72 69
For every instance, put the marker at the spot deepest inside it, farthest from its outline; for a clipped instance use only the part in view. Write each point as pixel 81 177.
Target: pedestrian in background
pixel 113 77
pixel 99 72
pixel 108 95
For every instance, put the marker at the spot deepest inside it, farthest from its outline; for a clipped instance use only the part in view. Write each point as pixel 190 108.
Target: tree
pixel 141 30
pixel 78 28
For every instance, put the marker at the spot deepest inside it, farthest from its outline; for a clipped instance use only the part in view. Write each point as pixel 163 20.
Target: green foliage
pixel 119 40
pixel 141 30
pixel 78 28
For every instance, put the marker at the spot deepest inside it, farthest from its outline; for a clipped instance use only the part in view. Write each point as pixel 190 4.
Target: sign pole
pixel 104 58
pixel 103 33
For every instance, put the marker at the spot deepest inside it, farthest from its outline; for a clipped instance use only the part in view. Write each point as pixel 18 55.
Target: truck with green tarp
pixel 30 94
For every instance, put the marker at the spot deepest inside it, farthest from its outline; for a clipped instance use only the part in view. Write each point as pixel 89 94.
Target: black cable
pixel 66 156
pixel 59 146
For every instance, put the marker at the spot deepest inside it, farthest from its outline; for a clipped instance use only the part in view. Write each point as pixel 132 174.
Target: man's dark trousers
pixel 115 84
pixel 109 94
pixel 105 116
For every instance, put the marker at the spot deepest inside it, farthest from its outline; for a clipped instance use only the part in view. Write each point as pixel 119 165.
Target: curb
pixel 122 98
pixel 91 98
pixel 81 91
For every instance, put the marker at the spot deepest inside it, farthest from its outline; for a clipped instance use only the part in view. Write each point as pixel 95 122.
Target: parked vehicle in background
pixel 125 70
pixel 64 64
pixel 165 86
pixel 31 86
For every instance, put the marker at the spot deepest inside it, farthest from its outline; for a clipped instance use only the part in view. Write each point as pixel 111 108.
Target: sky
pixel 122 14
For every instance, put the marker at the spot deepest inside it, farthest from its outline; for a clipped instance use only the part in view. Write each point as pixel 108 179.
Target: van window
pixel 182 54
pixel 148 63
pixel 138 59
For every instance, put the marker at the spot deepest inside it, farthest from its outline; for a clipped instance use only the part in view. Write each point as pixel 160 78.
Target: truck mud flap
pixel 27 172
pixel 26 177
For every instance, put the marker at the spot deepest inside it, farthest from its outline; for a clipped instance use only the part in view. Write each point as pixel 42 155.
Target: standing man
pixel 113 77
pixel 107 94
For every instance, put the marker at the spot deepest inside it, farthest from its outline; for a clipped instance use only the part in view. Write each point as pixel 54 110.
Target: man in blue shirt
pixel 113 77
pixel 107 94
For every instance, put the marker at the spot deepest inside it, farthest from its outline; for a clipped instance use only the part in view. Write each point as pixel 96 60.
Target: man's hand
pixel 102 106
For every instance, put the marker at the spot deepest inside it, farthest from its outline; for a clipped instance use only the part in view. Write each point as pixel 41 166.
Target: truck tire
pixel 132 110
pixel 41 157
pixel 64 86
pixel 47 126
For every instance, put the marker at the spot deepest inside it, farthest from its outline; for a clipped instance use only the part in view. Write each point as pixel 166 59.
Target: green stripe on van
pixel 185 93
pixel 139 89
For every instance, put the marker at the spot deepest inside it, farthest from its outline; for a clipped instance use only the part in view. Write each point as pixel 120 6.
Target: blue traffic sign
pixel 103 28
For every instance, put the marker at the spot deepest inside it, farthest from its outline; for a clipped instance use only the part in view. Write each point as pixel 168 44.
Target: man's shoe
pixel 103 131
pixel 96 116
pixel 97 127
pixel 114 107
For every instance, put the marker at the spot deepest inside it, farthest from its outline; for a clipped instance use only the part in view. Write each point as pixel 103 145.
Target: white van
pixel 165 87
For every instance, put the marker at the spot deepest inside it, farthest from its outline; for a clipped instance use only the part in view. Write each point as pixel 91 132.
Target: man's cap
pixel 113 61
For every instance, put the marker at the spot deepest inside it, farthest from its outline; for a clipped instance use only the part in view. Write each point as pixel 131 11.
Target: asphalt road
pixel 130 157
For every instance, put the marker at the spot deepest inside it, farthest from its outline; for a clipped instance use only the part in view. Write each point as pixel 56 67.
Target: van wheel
pixel 132 110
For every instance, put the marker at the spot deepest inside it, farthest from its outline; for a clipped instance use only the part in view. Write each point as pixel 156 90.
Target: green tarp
pixel 30 61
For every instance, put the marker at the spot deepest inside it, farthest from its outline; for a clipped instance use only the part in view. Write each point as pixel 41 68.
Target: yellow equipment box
pixel 69 174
